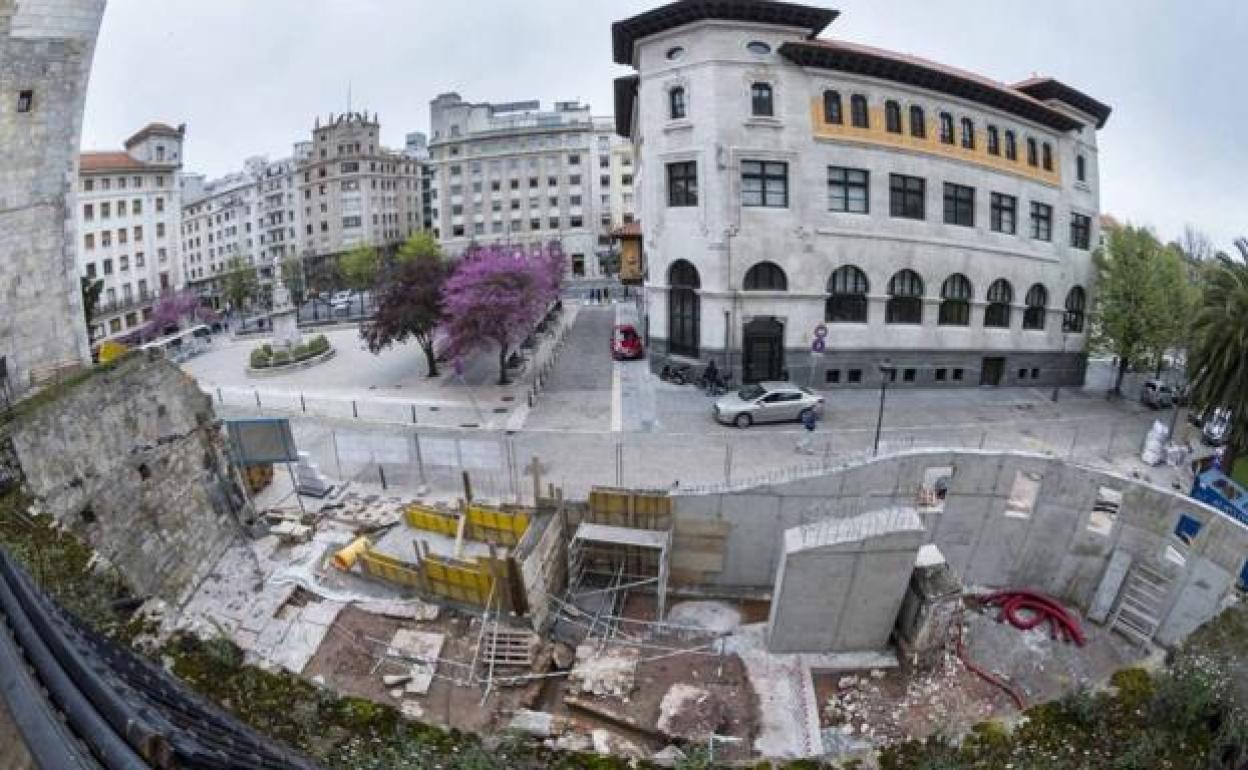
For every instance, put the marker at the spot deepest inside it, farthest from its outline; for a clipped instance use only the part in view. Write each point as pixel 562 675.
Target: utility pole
pixel 886 370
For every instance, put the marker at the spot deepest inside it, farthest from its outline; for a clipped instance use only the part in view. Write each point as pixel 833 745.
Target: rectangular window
pixel 88 212
pixel 108 267
pixel 848 189
pixel 138 233
pixel 682 184
pixel 1080 231
pixel 25 101
pixel 1032 158
pixel 959 205
pixel 89 240
pixel 1041 221
pixel 136 207
pixel 994 141
pixel 942 375
pixel 1004 213
pixel 349 222
pixel 908 375
pixel 855 375
pixel 764 184
pixel 906 196
pixel 832 376
pixel 760 100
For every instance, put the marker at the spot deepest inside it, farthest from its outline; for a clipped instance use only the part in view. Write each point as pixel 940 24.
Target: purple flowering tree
pixel 496 296
pixel 172 310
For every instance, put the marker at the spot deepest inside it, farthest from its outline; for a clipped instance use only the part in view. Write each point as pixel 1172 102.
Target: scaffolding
pixel 605 562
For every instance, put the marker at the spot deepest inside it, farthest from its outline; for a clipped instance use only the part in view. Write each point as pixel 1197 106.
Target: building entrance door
pixel 992 371
pixel 763 348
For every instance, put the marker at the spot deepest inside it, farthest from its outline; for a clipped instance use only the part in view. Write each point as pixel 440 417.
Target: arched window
pixel 832 108
pixel 892 117
pixel 1037 305
pixel 994 141
pixel 1011 146
pixel 955 301
pixel 760 100
pixel 968 133
pixel 1076 302
pixel 1032 154
pixel 766 276
pixel 946 128
pixel 1000 295
pixel 905 298
pixel 847 296
pixel 676 97
pixel 683 309
pixel 1046 156
pixel 858 111
pixel 918 124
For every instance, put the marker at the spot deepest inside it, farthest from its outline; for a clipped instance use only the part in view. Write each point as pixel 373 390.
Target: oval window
pixel 675 53
pixel 758 47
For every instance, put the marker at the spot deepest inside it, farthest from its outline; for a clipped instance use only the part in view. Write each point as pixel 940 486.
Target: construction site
pixel 847 608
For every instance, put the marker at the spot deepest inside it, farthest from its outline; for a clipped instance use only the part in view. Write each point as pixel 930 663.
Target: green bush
pixel 301 352
pixel 261 358
pixel 319 344
pixel 268 349
pixel 281 358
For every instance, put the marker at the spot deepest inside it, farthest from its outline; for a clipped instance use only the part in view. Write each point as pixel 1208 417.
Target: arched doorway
pixel 684 311
pixel 763 348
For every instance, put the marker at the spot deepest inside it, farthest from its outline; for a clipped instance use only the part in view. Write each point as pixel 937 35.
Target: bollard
pixel 382 473
pixel 257 398
pixel 413 414
pixel 355 411
pixel 303 404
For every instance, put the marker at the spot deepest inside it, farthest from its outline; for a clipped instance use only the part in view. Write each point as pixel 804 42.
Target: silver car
pixel 766 402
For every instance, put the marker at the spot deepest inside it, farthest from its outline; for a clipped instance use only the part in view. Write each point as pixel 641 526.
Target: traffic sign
pixel 818 346
pixel 821 331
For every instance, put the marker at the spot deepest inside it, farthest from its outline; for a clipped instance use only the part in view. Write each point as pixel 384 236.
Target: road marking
pixel 617 389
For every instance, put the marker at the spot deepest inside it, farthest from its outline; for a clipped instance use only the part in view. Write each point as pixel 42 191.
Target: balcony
pixel 138 300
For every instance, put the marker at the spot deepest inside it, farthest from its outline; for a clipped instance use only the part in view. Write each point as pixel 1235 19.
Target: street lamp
pixel 887 370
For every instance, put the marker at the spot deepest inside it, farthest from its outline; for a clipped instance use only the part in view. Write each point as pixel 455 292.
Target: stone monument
pixel 284 318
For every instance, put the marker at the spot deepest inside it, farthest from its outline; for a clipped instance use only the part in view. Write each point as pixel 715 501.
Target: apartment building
pixel 221 224
pixel 349 191
pixel 129 214
pixel 514 173
pixel 614 189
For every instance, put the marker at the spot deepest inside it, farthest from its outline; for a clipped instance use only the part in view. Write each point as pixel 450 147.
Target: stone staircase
pixel 1141 603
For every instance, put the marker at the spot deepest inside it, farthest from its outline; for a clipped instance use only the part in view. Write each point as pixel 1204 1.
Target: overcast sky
pixel 248 77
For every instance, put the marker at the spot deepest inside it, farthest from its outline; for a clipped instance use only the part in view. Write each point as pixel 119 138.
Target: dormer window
pixel 761 100
pixel 676 99
pixel 1081 169
pixel 918 124
pixel 968 133
pixel 160 154
pixel 675 53
pixel 946 128
pixel 1032 155
pixel 892 117
pixel 994 141
pixel 1046 156
pixel 758 48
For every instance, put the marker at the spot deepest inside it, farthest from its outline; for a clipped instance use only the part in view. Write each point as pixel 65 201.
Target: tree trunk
pixel 1123 363
pixel 502 365
pixel 431 358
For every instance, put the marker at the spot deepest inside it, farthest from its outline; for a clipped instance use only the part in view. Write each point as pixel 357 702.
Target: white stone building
pixel 917 214
pixel 129 215
pixel 514 173
pixel 614 188
pixel 46 47
pixel 221 223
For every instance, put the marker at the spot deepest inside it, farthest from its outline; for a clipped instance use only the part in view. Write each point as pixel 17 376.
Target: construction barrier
pixel 460 581
pixel 432 519
pixel 390 569
pixel 628 508
pixel 497 526
pixel 483 582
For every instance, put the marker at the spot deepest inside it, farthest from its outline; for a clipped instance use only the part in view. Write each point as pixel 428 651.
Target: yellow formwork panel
pixel 432 519
pixel 390 569
pixel 464 582
pixel 503 527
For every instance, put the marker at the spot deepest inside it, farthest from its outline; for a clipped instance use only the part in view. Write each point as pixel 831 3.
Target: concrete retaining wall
pixel 733 540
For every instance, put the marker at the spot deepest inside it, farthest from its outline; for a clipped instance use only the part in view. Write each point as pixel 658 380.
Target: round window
pixel 676 53
pixel 758 47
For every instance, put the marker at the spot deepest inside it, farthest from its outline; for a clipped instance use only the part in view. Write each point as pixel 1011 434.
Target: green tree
pixel 91 288
pixel 1131 317
pixel 419 245
pixel 360 268
pixel 409 302
pixel 239 284
pixel 1219 356
pixel 292 276
pixel 1179 295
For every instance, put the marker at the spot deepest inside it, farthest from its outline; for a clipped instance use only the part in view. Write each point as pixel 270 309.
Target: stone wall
pixel 991 535
pixel 46 47
pixel 132 459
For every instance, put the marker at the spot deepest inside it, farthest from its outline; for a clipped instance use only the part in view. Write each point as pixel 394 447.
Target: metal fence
pixel 416 460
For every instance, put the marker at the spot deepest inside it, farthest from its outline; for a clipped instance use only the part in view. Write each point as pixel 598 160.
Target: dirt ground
pixel 890 706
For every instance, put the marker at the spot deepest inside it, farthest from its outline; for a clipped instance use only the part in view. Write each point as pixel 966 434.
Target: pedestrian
pixel 804 444
pixel 593 296
pixel 606 294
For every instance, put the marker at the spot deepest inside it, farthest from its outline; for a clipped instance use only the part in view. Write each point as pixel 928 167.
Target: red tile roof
pixel 108 161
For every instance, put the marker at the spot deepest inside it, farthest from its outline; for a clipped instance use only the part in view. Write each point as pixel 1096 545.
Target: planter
pixel 306 363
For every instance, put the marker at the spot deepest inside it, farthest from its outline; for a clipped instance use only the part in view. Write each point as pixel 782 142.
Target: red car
pixel 625 343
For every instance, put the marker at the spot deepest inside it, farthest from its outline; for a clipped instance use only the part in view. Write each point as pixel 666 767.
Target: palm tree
pixel 1219 359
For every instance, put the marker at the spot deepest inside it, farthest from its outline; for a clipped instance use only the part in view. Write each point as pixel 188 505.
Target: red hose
pixel 1036 608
